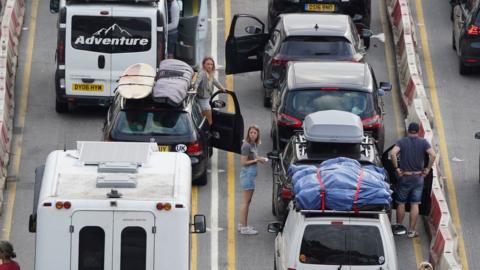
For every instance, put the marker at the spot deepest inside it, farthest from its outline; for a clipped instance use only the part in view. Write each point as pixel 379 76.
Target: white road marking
pixel 214 161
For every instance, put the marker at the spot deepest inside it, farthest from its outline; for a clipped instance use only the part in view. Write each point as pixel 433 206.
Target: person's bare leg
pixel 208 115
pixel 247 198
pixel 400 213
pixel 413 216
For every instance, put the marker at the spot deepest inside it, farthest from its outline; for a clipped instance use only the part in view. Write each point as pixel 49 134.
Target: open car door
pixel 227 127
pixel 427 183
pixel 245 44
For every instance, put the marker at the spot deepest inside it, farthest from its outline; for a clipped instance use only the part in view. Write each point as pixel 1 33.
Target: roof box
pixel 333 127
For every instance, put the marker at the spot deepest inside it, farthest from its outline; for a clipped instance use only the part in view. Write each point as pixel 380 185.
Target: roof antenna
pixel 316 27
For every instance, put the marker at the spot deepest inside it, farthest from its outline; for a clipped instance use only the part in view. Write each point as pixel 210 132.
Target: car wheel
pixel 61 107
pixel 380 139
pixel 274 141
pixel 274 209
pixel 463 69
pixel 454 47
pixel 202 180
pixel 267 101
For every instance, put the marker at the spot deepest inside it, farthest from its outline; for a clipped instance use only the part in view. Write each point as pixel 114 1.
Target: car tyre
pixel 267 101
pixel 380 139
pixel 463 69
pixel 61 107
pixel 454 47
pixel 202 180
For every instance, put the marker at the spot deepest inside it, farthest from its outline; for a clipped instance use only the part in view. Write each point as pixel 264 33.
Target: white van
pixel 98 40
pixel 113 205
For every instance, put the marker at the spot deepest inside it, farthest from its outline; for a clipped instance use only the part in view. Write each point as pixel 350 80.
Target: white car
pixel 324 240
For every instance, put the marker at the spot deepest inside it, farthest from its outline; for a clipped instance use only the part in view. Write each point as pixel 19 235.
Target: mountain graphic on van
pixel 115 30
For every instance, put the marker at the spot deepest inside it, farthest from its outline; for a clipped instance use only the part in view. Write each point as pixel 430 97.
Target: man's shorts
pixel 409 189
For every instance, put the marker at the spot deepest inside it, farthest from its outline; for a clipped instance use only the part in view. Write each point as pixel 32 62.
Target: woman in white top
pixel 173 20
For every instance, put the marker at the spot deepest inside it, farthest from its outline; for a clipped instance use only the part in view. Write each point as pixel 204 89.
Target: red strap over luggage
pixel 322 190
pixel 357 192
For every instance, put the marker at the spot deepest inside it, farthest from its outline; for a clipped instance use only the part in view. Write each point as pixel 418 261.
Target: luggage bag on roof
pixel 173 83
pixel 339 187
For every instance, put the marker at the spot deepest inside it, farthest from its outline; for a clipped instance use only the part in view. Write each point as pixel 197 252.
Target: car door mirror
pixel 54 6
pixel 218 104
pixel 273 155
pixel 199 224
pixel 385 86
pixel 275 227
pixel 269 84
pixel 366 33
pixel 253 30
pixel 357 18
pixel 477 135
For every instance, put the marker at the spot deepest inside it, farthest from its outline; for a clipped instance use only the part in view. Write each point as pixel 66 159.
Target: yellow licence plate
pixel 163 148
pixel 320 7
pixel 87 87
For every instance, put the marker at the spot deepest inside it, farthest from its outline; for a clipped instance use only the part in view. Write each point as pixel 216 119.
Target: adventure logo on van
pixel 110 37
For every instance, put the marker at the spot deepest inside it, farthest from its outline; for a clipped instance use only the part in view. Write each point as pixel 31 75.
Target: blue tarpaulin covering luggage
pixel 344 185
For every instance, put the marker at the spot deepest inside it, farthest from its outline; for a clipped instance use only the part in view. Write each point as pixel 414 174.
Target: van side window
pixel 91 248
pixel 133 249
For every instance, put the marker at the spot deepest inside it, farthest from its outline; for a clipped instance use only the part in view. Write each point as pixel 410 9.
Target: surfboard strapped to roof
pixel 137 81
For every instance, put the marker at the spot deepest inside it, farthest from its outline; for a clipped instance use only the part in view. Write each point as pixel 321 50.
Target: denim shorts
pixel 247 177
pixel 409 189
pixel 204 104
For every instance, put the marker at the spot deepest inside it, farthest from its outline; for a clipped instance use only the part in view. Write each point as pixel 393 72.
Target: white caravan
pixel 113 205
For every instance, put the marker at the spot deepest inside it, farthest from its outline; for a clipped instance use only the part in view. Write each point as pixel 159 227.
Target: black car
pixel 299 150
pixel 350 7
pixel 466 35
pixel 182 129
pixel 295 37
pixel 318 86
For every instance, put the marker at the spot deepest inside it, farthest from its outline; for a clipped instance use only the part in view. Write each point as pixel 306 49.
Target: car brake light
pixel 60 205
pixel 371 122
pixel 61 53
pixel 279 61
pixel 336 222
pixel 194 148
pixel 164 206
pixel 286 194
pixel 291 268
pixel 329 88
pixel 471 60
pixel 289 121
pixel 473 30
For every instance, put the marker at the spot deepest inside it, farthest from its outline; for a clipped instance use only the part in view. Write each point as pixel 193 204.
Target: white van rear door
pixel 192 32
pixel 135 28
pixel 91 240
pixel 134 235
pixel 87 51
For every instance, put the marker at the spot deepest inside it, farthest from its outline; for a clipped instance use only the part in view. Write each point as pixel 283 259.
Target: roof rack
pixel 112 1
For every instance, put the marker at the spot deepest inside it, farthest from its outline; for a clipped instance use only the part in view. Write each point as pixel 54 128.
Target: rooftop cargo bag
pixel 173 83
pixel 340 184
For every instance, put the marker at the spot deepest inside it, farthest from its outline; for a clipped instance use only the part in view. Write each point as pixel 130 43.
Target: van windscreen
pixel 342 245
pixel 111 34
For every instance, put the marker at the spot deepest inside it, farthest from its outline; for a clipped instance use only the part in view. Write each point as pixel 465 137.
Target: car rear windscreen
pixel 152 123
pixel 111 34
pixel 300 103
pixel 316 47
pixel 342 245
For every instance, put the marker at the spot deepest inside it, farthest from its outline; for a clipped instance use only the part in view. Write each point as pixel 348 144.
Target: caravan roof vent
pixel 117 167
pixel 114 194
pixel 115 152
pixel 116 181
pixel 333 127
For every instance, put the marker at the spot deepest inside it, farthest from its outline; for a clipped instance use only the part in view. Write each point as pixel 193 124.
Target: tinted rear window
pixel 316 47
pixel 303 102
pixel 342 245
pixel 153 123
pixel 111 34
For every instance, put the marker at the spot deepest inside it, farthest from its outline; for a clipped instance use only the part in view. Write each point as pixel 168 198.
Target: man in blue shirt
pixel 411 172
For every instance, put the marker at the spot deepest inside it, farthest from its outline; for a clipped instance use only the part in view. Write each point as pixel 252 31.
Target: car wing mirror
pixel 477 135
pixel 366 33
pixel 269 84
pixel 275 227
pixel 252 30
pixel 54 6
pixel 273 155
pixel 199 224
pixel 386 86
pixel 218 104
pixel 357 18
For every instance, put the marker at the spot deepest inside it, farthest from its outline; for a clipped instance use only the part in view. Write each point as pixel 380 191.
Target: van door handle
pixel 101 61
pixel 85 80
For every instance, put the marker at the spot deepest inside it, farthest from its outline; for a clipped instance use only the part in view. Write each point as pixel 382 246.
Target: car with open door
pixel 466 35
pixel 178 129
pixel 295 37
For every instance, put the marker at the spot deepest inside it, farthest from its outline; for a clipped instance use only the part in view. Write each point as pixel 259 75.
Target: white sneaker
pixel 239 227
pixel 248 231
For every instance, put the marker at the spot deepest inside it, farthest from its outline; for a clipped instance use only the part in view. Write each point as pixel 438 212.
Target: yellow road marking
pixel 22 113
pixel 452 194
pixel 193 249
pixel 231 246
pixel 417 243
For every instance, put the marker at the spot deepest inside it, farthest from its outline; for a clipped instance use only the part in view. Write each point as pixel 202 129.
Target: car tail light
pixel 473 30
pixel 194 148
pixel 279 61
pixel 60 205
pixel 289 121
pixel 286 194
pixel 329 88
pixel 61 52
pixel 336 222
pixel 371 122
pixel 164 206
pixel 471 60
pixel 291 268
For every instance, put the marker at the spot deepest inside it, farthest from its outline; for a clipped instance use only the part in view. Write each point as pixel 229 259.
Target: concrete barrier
pixel 443 252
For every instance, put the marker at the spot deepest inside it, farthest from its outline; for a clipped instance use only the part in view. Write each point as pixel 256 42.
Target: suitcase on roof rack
pixel 173 83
